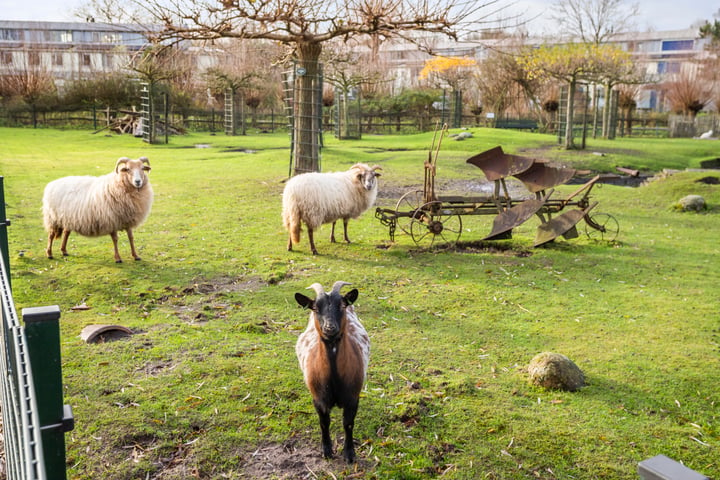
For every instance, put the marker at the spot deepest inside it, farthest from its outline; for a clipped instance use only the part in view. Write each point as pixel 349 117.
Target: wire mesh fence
pixel 34 418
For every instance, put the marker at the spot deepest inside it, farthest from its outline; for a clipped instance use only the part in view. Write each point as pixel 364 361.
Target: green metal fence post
pixel 42 330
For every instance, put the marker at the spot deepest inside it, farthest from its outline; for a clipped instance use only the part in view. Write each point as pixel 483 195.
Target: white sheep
pixel 95 206
pixel 318 198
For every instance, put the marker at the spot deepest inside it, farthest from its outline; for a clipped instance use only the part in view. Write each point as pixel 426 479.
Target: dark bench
pixel 517 124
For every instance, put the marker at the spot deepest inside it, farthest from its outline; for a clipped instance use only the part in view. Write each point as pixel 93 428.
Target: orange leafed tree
pixel 450 70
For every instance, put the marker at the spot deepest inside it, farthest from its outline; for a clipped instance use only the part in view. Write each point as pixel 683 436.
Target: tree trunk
pixel 306 129
pixel 569 115
pixel 607 111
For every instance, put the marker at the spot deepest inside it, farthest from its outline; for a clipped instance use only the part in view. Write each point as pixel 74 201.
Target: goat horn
pixel 121 160
pixel 338 285
pixel 375 167
pixel 318 288
pixel 144 160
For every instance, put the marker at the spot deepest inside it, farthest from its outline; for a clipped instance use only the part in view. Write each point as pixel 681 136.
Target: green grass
pixel 210 375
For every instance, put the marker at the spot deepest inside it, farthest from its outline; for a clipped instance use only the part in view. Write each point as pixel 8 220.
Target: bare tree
pixel 305 25
pixel 687 94
pixel 595 21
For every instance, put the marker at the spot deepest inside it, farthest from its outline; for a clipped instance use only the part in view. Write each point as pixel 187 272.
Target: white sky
pixel 654 14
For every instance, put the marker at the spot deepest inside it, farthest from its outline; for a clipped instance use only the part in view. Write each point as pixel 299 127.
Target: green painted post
pixel 42 331
pixel 4 223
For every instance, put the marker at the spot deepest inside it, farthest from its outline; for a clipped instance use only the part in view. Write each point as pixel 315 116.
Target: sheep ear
pixel 304 301
pixel 351 296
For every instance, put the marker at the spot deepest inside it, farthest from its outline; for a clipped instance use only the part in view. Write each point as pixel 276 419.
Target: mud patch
pixel 709 180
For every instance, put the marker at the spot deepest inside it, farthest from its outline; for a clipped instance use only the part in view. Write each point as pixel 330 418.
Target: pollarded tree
pixel 596 22
pixel 305 26
pixel 575 63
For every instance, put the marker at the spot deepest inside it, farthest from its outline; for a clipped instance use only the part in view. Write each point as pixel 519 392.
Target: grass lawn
pixel 208 386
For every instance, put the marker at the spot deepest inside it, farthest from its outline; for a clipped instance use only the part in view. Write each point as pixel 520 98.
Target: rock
pixel 463 135
pixel 694 203
pixel 555 371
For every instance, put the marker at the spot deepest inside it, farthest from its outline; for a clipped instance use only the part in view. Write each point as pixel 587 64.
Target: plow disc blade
pixel 512 217
pixel 540 177
pixel 496 164
pixel 561 225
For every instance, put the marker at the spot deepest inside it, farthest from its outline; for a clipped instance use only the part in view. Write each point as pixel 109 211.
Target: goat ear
pixel 351 296
pixel 304 301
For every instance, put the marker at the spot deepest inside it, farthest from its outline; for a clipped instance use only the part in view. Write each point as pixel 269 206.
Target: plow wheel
pixel 601 226
pixel 430 224
pixel 409 202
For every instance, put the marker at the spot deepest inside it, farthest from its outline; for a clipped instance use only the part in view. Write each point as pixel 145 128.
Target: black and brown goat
pixel 333 353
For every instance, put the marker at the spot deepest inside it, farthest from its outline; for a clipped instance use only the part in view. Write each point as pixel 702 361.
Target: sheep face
pixel 134 172
pixel 328 312
pixel 366 176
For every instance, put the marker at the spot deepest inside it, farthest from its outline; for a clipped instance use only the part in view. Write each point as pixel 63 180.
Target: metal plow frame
pixel 427 217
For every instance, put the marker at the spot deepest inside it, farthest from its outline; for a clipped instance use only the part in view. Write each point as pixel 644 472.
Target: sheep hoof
pixel 137 259
pixel 118 261
pixel 50 257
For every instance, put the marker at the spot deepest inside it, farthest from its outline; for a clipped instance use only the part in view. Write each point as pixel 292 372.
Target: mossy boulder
pixel 555 371
pixel 691 203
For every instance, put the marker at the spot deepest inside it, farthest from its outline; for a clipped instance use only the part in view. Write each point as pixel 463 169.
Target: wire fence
pixel 34 418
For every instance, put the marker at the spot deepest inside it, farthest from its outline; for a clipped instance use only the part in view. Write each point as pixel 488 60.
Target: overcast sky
pixel 654 14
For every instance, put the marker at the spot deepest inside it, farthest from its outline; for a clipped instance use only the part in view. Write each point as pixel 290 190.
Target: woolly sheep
pixel 95 206
pixel 333 353
pixel 318 198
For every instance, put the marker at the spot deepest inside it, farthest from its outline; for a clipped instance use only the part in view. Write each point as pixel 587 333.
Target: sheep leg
pixel 345 224
pixel 114 237
pixel 48 250
pixel 349 412
pixel 63 245
pixel 332 233
pixel 289 245
pixel 324 416
pixel 312 241
pixel 131 239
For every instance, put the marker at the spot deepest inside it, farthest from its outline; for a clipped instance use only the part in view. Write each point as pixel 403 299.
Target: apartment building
pixel 664 56
pixel 67 50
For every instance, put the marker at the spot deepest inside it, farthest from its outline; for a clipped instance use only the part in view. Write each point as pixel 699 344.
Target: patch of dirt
pixel 298 459
pixel 215 303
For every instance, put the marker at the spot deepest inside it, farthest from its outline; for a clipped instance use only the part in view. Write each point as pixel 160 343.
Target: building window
pixel 34 59
pixel 6 58
pixel 675 45
pixel 59 36
pixel 668 67
pixel 10 34
pixel 58 59
pixel 86 60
